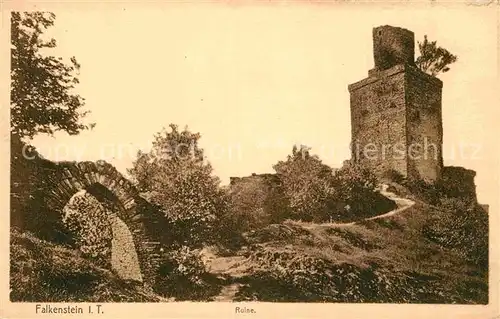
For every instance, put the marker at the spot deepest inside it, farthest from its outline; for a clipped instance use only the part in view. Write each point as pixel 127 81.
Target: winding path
pixel 401 203
pixel 236 267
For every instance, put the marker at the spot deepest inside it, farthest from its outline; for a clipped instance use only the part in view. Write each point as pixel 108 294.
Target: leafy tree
pixel 318 193
pixel 42 100
pixel 433 59
pixel 308 184
pixel 177 178
pixel 257 202
pixel 143 171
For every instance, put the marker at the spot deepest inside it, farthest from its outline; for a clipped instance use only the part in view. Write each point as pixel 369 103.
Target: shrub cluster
pixel 257 201
pixel 88 223
pixel 462 226
pixel 356 188
pixel 318 193
pixel 288 276
pixel 308 185
pixel 183 275
pixel 394 176
pixel 177 178
pixel 455 182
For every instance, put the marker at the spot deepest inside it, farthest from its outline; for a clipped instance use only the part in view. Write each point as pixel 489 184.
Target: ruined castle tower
pixel 396 111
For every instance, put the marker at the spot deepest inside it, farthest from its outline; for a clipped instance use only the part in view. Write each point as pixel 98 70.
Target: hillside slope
pixel 43 271
pixel 421 255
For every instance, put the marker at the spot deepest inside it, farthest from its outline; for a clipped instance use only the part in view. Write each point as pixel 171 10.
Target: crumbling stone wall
pixel 101 235
pixel 103 180
pixel 40 190
pixel 397 110
pixel 459 182
pixel 267 180
pixel 392 46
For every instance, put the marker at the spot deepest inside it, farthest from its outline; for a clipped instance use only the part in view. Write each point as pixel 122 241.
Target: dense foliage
pixel 89 227
pixel 42 100
pixel 318 193
pixel 462 224
pixel 288 276
pixel 462 227
pixel 257 202
pixel 308 184
pixel 178 179
pixel 183 276
pixel 356 187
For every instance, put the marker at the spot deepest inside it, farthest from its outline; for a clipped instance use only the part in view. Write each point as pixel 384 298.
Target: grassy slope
pixel 384 260
pixel 42 271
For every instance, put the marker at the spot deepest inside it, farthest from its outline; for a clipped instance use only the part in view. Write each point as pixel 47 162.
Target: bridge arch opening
pixel 91 216
pixel 134 223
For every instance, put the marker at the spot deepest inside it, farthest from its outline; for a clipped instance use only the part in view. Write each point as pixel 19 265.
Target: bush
pixel 394 176
pixel 356 188
pixel 257 201
pixel 353 182
pixel 455 182
pixel 457 205
pixel 430 193
pixel 182 274
pixel 464 228
pixel 287 276
pixel 317 194
pixel 89 225
pixel 307 183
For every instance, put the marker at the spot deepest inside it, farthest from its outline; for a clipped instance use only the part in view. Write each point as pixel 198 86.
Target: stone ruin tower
pixel 396 121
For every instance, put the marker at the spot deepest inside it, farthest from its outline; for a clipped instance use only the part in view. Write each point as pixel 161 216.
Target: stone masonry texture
pixel 41 189
pixel 396 119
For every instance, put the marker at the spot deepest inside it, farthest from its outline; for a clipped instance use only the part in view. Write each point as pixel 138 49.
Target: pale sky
pixel 254 80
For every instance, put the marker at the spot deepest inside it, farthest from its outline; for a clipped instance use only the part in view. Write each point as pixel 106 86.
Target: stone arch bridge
pixel 59 182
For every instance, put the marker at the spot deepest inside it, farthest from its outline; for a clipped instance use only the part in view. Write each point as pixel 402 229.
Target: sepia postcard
pixel 250 159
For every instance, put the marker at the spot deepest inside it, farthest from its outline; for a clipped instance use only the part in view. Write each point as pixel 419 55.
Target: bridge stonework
pixel 67 179
pixel 40 189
